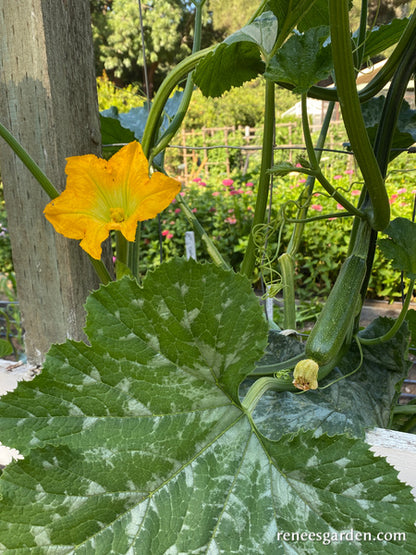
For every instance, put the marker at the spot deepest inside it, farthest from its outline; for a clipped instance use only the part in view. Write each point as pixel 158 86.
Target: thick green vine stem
pixel 249 260
pixel 29 163
pixel 380 79
pixel 287 271
pixel 165 90
pixel 256 392
pixel 397 324
pixel 379 214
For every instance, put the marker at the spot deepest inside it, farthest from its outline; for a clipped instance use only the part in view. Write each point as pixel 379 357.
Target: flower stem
pixel 101 271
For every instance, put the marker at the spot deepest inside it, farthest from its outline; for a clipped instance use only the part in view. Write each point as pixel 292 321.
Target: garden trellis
pixel 212 150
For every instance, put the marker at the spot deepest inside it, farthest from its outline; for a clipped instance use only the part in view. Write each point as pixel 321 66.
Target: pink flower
pixel 231 210
pixel 182 193
pixel 401 191
pixel 302 181
pixel 227 182
pixel 339 206
pixel 202 184
pixel 194 210
pixel 393 198
pixel 197 180
pixel 337 176
pixel 316 207
pixel 166 233
pixel 349 172
pixel 236 191
pixel 215 194
pixel 316 194
pixel 172 223
pixel 298 165
pixel 231 221
pixel 212 209
pixel 249 184
pixel 177 210
pixel 355 192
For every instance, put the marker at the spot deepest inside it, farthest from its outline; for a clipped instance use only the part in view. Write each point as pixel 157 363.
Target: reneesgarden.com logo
pixel 327 538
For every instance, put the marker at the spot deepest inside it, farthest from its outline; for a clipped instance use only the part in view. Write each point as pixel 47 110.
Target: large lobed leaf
pixel 138 442
pixel 350 405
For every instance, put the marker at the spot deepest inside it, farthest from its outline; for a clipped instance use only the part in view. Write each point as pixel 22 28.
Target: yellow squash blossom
pixel 306 375
pixel 102 195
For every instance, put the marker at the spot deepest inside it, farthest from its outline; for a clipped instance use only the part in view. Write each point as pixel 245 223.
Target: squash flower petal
pixel 102 195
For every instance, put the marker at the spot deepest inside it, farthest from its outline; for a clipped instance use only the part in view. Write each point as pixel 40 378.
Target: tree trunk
pixel 49 103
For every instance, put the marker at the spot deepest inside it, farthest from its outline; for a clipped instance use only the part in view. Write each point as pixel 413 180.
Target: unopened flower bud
pixel 306 375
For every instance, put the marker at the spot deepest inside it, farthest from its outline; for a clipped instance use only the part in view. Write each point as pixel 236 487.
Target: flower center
pixel 117 215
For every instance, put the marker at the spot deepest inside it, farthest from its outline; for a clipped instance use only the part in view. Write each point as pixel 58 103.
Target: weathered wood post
pixel 49 103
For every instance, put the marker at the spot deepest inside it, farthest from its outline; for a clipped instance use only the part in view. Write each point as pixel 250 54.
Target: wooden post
pixel 49 103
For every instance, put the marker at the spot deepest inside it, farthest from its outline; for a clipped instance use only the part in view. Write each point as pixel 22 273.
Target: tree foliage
pixel 168 38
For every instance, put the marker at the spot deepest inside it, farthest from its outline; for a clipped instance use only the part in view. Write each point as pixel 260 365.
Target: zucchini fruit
pixel 335 321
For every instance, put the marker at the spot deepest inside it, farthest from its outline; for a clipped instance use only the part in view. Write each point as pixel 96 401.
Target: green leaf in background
pixel 383 37
pixel 352 405
pixel 405 133
pixel 5 348
pixel 280 348
pixel 228 66
pixel 303 60
pixel 237 59
pixel 401 246
pixel 112 132
pixel 138 444
pixel 118 128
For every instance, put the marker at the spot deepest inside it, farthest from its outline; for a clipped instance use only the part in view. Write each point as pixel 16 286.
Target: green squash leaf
pixel 350 405
pixel 228 66
pixel 237 59
pixel 401 246
pixel 112 132
pixel 404 134
pixel 138 444
pixel 303 60
pixel 280 348
pixel 383 37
